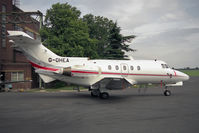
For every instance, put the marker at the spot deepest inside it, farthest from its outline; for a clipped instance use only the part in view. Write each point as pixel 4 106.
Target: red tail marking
pixel 174 72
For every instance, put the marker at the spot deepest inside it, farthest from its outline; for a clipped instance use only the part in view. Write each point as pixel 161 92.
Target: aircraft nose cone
pixel 183 76
pixel 186 76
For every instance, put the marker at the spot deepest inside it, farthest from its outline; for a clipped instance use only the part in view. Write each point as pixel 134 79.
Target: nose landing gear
pixel 167 93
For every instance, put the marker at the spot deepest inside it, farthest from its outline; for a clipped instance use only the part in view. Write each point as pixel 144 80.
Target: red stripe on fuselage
pixel 111 73
pixel 44 68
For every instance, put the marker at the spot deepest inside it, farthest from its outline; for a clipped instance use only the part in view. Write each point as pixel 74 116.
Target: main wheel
pixel 104 95
pixel 167 93
pixel 94 94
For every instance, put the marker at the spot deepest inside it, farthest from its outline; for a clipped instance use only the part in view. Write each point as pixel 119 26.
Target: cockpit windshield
pixel 164 66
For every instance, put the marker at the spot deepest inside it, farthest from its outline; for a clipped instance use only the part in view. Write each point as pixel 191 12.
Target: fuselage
pixel 88 72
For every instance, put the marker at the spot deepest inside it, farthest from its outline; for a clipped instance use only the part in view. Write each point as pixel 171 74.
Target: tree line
pixel 66 33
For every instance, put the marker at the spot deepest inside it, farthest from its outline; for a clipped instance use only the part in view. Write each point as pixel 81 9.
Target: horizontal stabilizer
pixel 46 79
pixel 20 37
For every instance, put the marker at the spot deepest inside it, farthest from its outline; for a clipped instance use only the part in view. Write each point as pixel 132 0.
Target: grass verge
pixel 191 72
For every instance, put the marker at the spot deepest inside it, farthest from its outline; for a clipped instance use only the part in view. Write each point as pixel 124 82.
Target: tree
pixel 117 45
pixel 66 34
pixel 111 44
pixel 99 29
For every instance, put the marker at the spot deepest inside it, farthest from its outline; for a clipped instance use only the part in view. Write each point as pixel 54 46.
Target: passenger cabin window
pixel 131 67
pixel 109 67
pixel 124 67
pixel 138 67
pixel 117 67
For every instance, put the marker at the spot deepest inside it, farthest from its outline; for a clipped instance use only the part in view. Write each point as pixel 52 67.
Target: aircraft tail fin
pixel 32 49
pixel 36 52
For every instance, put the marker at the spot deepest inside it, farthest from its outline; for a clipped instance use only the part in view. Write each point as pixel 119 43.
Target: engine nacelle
pixel 80 71
pixel 66 71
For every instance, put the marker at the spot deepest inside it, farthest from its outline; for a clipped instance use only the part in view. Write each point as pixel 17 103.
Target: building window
pixel 17 76
pixel 138 68
pixel 109 67
pixel 30 34
pixel 117 67
pixel 18 28
pixel 131 67
pixel 3 27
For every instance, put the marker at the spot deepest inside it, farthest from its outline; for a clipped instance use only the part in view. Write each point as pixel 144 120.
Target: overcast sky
pixel 166 29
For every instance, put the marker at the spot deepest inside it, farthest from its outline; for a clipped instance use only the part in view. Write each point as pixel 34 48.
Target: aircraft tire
pixel 167 93
pixel 94 94
pixel 104 95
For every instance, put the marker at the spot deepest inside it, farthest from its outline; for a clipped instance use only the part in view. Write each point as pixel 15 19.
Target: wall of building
pixel 13 65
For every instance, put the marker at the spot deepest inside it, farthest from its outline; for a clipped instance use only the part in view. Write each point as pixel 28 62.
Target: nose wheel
pixel 167 93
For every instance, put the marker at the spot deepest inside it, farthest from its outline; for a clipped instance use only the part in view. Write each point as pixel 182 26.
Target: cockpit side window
pixel 162 65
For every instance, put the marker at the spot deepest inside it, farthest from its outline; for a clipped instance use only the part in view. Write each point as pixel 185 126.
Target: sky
pixel 166 30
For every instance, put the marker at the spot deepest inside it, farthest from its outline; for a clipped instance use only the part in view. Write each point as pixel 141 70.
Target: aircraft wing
pixel 115 83
pixel 131 81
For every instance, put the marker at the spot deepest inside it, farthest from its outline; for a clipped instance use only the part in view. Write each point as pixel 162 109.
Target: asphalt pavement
pixel 127 111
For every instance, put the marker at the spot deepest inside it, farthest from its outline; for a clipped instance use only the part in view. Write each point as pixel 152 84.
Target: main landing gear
pixel 98 93
pixel 104 95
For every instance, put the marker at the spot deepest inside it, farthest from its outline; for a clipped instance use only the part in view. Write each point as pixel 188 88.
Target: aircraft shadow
pixel 87 97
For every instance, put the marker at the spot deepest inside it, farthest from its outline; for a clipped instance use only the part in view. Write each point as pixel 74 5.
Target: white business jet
pixel 99 76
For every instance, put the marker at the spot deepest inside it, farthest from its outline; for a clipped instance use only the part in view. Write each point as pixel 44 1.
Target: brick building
pixel 13 65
